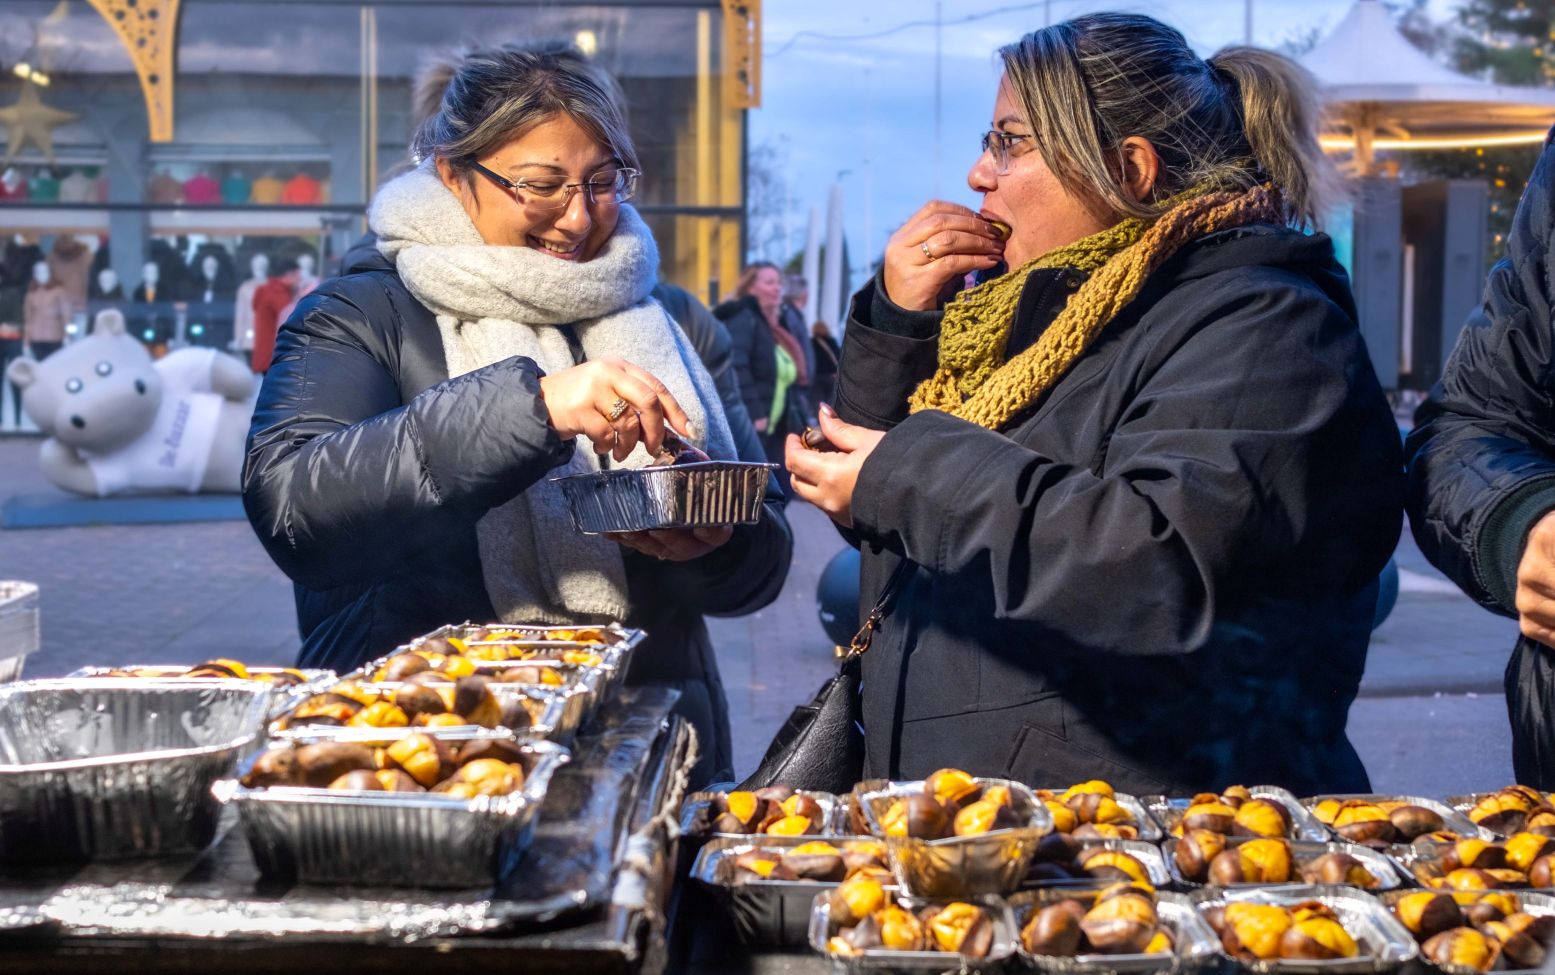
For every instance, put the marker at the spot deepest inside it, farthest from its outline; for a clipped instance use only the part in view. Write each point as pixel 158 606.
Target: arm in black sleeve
pixel 1250 426
pixel 716 350
pixel 886 352
pixel 344 483
pixel 1482 461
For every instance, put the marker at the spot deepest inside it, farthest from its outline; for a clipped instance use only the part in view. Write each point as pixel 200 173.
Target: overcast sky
pixel 867 106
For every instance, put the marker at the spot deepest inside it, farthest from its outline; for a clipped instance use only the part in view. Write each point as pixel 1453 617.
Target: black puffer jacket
pixel 754 353
pixel 1164 574
pixel 1482 457
pixel 368 468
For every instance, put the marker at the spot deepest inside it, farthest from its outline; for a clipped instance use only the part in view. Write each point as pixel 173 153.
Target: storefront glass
pixel 285 116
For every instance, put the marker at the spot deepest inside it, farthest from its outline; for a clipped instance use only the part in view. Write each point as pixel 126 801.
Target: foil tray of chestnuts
pixel 1381 820
pixel 417 808
pixel 1314 929
pixel 1514 809
pixel 914 935
pixel 1122 927
pixel 1093 810
pixel 1523 859
pixel 1259 810
pixel 767 884
pixel 1202 857
pixel 776 810
pixel 350 707
pixel 1467 933
pixel 699 494
pixel 957 835
pixel 607 648
pixel 288 685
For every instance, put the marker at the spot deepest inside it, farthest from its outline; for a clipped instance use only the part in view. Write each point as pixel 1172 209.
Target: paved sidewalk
pixel 1431 718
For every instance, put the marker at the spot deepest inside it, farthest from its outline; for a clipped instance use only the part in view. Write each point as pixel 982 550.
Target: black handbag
pixel 821 745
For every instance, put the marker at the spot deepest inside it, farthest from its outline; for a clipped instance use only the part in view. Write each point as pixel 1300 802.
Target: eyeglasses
pixel 550 193
pixel 998 144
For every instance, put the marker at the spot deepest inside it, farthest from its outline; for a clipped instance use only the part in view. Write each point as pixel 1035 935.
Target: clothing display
pixel 235 188
pixel 77 187
pixel 267 190
pixel 271 300
pixel 43 187
pixel 16 264
pixel 165 189
pixel 201 188
pixel 45 313
pixel 150 315
pixel 302 190
pixel 13 186
pixel 70 262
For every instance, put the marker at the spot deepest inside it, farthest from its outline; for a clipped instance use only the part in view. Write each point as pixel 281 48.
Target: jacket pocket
pixel 1050 759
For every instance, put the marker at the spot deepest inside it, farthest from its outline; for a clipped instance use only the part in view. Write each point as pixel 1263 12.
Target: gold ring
pixel 617 410
pixel 926 252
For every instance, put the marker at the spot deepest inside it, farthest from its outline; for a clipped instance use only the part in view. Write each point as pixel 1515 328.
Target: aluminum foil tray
pixel 392 839
pixel 1539 905
pixel 961 866
pixel 1462 805
pixel 116 769
pixel 763 913
pixel 1452 818
pixel 20 632
pixel 1169 812
pixel 561 713
pixel 1194 944
pixel 1149 829
pixel 699 495
pixel 1421 863
pixel 281 698
pixel 831 818
pixel 1385 943
pixel 1148 854
pixel 1302 853
pixel 887 962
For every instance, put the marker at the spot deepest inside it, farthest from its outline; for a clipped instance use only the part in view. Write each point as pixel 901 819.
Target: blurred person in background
pixel 768 358
pixel 796 294
pixel 402 453
pixel 827 355
pixel 1482 468
pixel 1128 500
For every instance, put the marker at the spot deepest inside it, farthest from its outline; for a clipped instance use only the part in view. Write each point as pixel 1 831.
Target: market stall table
pixel 589 894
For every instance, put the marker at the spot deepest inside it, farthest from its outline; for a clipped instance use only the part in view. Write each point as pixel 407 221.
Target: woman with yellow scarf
pixel 1125 498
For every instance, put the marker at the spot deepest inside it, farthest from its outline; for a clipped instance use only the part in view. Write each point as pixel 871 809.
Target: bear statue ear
pixel 23 372
pixel 109 321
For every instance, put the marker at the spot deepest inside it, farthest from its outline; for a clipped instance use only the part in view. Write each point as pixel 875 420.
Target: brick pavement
pixel 182 593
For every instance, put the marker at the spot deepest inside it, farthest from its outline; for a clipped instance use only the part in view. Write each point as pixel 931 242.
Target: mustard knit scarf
pixel 974 383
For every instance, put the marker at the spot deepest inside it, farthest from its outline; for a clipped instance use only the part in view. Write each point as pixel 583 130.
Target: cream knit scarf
pixel 493 303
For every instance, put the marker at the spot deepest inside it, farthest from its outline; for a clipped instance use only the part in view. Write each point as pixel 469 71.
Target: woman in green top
pixel 767 358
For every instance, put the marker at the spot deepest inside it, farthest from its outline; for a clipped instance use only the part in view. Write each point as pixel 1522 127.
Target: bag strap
pixel 866 634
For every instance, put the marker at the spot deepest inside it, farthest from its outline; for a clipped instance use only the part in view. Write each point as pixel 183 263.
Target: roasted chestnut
pixel 1462 947
pixel 1339 868
pixel 1505 811
pixel 1469 879
pixel 1522 849
pixel 952 787
pixel 379 714
pixel 917 816
pixel 761 865
pixel 278 766
pixel 1262 861
pixel 1194 852
pixel 360 780
pixel 1260 817
pixel 1541 873
pixel 855 899
pixel 401 666
pixel 1363 822
pixel 1474 853
pixel 962 929
pixel 775 793
pixel 806 808
pixel 1054 930
pixel 900 930
pixel 1426 913
pixel 1064 818
pixel 1121 924
pixel 1519 939
pixel 1253 930
pixel 426 759
pixel 816 861
pixel 1115 865
pixel 484 777
pixel 983 816
pixel 319 765
pixel 1093 807
pixel 1412 821
pixel 418 699
pixel 396 780
pixel 1317 938
pixel 1215 816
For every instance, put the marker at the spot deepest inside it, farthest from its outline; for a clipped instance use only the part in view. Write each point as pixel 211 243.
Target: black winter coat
pixel 754 353
pixel 1164 574
pixel 368 468
pixel 1482 457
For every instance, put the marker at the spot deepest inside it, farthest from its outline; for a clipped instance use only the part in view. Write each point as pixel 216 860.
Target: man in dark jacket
pixel 1482 468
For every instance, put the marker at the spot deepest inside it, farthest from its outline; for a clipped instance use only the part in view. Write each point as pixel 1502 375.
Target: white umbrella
pixel 1382 92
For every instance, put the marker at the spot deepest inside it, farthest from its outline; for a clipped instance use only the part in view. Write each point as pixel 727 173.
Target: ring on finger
pixel 617 410
pixel 926 251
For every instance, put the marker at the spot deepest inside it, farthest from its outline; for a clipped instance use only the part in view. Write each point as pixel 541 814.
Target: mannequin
pixel 13 185
pixel 210 312
pixel 107 287
pixel 77 187
pixel 306 278
pixel 150 320
pixel 243 307
pixel 70 260
pixel 45 312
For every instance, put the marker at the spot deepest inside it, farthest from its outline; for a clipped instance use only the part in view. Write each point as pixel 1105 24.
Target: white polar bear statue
pixel 119 423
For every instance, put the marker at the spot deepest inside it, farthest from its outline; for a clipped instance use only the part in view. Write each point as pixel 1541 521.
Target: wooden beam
pixel 742 53
pixel 149 31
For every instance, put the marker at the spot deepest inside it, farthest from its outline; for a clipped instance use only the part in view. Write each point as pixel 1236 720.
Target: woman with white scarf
pixel 416 412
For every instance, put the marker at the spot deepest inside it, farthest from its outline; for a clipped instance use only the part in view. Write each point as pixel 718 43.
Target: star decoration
pixel 30 119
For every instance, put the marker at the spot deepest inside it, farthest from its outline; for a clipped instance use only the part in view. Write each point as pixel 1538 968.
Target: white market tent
pixel 1384 93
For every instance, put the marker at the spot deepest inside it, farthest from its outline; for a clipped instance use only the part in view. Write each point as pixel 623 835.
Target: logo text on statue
pixel 175 436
